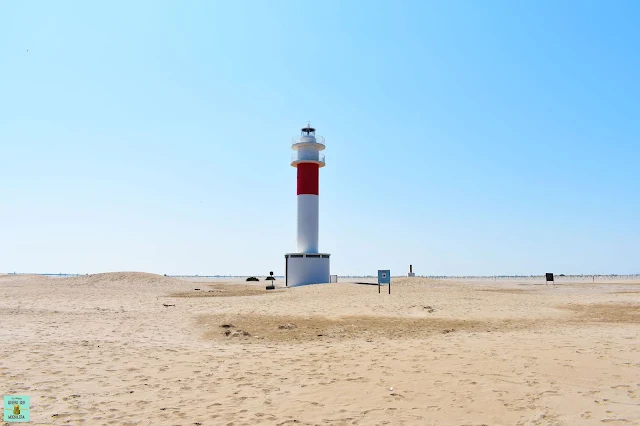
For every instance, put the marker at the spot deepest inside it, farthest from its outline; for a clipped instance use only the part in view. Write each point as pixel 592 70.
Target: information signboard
pixel 384 277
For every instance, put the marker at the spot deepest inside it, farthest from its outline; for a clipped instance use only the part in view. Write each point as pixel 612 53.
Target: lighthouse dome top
pixel 308 139
pixel 308 130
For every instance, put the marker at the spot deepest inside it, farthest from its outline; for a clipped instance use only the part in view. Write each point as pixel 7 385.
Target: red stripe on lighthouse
pixel 308 174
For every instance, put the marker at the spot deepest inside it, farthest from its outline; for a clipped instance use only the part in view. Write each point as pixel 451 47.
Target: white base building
pixel 306 268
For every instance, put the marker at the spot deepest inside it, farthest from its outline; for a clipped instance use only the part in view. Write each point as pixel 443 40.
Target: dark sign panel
pixel 549 276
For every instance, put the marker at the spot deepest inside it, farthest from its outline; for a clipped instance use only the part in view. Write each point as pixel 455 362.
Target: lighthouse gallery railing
pixel 303 156
pixel 319 140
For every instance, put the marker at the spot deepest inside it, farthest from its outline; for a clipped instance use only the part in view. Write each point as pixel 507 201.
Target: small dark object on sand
pixel 236 333
pixel 196 289
pixel 270 287
pixel 227 325
pixel 252 279
pixel 448 331
pixel 287 326
pixel 166 306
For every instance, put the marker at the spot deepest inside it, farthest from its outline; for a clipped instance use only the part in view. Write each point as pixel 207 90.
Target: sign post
pixel 549 276
pixel 384 277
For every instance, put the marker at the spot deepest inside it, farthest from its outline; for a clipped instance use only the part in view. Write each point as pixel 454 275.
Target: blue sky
pixel 463 137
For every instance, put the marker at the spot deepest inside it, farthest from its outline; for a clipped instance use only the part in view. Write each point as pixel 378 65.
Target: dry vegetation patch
pixel 606 313
pixel 297 329
pixel 222 290
pixel 507 290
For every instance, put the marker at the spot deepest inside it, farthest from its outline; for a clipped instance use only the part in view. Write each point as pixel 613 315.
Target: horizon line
pixel 61 274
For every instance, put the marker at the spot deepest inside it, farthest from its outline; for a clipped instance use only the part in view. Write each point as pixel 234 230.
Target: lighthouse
pixel 307 265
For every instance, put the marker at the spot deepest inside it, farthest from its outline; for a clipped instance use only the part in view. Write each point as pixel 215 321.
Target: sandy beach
pixel 143 349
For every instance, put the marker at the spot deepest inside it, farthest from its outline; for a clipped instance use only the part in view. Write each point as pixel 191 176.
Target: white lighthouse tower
pixel 307 266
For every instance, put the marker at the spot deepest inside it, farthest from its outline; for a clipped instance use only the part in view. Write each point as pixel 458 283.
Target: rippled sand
pixel 142 349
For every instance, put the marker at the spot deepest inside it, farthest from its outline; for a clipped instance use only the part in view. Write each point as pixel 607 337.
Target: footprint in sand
pixel 586 415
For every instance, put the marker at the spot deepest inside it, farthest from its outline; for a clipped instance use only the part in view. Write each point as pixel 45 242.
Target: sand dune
pixel 142 349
